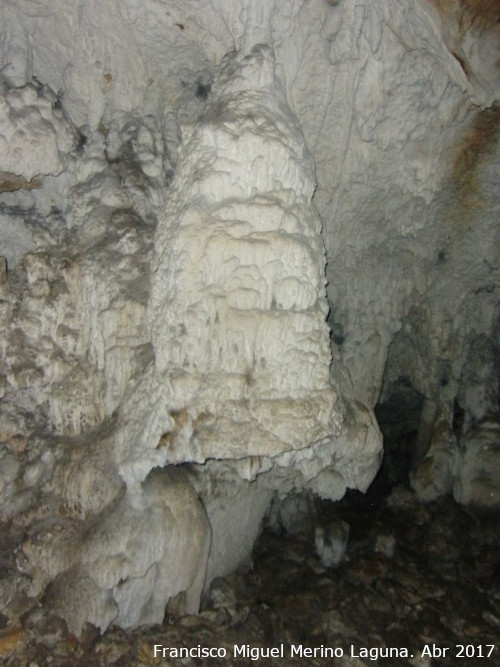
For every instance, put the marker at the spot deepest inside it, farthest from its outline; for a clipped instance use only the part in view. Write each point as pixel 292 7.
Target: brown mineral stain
pixel 180 418
pixel 12 182
pixel 107 81
pixel 166 440
pixel 4 280
pixel 468 13
pixel 12 640
pixel 477 145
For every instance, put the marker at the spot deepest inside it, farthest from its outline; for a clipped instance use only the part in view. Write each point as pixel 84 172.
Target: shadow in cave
pixel 398 418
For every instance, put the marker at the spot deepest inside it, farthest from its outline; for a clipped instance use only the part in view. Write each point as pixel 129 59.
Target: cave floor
pixel 415 575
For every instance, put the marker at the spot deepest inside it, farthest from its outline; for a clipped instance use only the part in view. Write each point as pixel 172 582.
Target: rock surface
pixel 439 586
pixel 228 231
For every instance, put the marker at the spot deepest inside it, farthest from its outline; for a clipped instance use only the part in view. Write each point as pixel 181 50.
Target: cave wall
pixel 229 231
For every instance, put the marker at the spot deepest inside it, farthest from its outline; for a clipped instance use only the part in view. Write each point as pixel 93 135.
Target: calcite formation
pixel 228 231
pixel 237 312
pixel 238 305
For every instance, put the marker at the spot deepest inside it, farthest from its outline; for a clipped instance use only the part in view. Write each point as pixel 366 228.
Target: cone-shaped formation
pixel 238 300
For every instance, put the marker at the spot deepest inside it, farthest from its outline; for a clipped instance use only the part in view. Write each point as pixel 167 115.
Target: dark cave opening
pixel 398 417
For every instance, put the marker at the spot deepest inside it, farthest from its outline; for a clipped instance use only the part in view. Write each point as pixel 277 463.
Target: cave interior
pixel 249 332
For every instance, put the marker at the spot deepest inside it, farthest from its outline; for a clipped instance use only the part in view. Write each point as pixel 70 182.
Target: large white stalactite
pixel 238 304
pixel 189 192
pixel 241 348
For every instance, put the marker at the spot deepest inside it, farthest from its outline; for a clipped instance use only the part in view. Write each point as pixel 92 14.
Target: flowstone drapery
pixel 238 305
pixel 240 383
pixel 234 381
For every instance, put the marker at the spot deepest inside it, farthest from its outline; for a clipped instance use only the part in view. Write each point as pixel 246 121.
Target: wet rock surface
pixel 413 575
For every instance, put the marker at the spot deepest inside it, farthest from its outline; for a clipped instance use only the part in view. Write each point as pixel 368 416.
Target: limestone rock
pixel 478 466
pixel 294 515
pixel 331 542
pixel 124 564
pixel 433 476
pixel 35 138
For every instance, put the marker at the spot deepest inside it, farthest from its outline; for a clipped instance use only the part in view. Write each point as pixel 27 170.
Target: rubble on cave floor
pixel 413 575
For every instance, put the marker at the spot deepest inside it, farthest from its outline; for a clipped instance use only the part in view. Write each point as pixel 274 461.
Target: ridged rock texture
pixel 229 231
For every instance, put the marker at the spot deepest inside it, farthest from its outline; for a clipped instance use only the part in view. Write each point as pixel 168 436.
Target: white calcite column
pixel 238 301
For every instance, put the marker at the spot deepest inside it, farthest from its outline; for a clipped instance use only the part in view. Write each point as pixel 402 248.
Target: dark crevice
pixel 398 418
